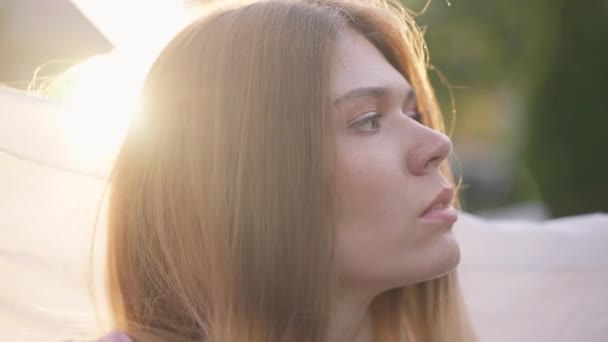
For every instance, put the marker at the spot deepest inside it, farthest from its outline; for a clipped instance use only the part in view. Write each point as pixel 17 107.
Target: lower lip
pixel 447 215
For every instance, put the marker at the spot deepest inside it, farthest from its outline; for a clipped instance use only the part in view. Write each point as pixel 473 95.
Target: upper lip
pixel 444 197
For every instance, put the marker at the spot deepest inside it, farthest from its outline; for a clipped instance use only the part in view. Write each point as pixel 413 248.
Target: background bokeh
pixel 527 80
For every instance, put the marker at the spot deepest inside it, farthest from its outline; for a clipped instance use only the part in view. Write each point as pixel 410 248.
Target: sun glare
pixel 98 106
pixel 101 94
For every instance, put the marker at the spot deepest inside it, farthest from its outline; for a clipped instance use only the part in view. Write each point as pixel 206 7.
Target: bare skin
pixel 388 174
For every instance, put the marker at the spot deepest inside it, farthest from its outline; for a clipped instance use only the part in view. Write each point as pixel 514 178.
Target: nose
pixel 426 156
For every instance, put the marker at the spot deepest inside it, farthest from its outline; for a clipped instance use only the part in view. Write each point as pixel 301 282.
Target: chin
pixel 440 259
pixel 447 258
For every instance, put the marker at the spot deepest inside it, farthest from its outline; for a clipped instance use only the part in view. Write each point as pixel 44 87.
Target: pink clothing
pixel 116 336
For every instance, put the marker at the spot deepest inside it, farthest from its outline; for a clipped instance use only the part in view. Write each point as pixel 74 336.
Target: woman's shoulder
pixel 116 336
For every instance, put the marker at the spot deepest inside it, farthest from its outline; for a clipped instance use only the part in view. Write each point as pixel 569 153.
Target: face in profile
pixel 394 216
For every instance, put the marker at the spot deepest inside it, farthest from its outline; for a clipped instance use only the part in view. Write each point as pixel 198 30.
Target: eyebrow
pixel 375 92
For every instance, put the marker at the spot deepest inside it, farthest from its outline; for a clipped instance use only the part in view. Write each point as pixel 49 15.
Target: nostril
pixel 433 162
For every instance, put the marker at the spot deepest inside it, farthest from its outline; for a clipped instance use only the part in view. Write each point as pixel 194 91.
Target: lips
pixel 440 209
pixel 441 200
pixel 437 207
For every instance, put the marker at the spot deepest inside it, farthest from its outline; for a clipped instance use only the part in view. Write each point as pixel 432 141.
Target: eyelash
pixel 371 118
pixel 377 116
pixel 416 117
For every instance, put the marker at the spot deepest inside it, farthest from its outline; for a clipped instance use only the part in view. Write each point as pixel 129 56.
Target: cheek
pixel 373 217
pixel 372 185
pixel 380 243
pixel 371 261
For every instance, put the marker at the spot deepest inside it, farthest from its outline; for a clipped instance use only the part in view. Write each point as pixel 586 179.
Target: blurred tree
pixel 493 53
pixel 531 103
pixel 567 147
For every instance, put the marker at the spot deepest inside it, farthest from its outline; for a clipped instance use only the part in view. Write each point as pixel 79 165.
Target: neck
pixel 351 319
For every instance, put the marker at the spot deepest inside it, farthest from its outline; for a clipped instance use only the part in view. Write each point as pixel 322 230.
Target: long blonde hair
pixel 221 198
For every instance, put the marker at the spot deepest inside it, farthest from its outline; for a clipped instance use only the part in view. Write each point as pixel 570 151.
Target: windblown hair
pixel 221 201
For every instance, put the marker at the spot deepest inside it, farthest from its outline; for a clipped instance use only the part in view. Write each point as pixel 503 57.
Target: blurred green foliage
pixel 568 144
pixel 529 79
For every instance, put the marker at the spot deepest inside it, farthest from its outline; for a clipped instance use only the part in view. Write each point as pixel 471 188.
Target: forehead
pixel 358 63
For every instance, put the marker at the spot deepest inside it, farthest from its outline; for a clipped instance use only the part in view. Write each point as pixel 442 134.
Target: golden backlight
pixel 101 93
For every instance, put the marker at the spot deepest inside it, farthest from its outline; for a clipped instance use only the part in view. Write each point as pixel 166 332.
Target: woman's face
pixel 388 175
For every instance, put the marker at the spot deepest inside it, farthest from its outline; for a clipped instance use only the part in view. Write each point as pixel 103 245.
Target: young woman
pixel 286 181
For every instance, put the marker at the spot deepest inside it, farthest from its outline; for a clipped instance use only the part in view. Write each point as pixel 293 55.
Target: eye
pixel 367 123
pixel 414 115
